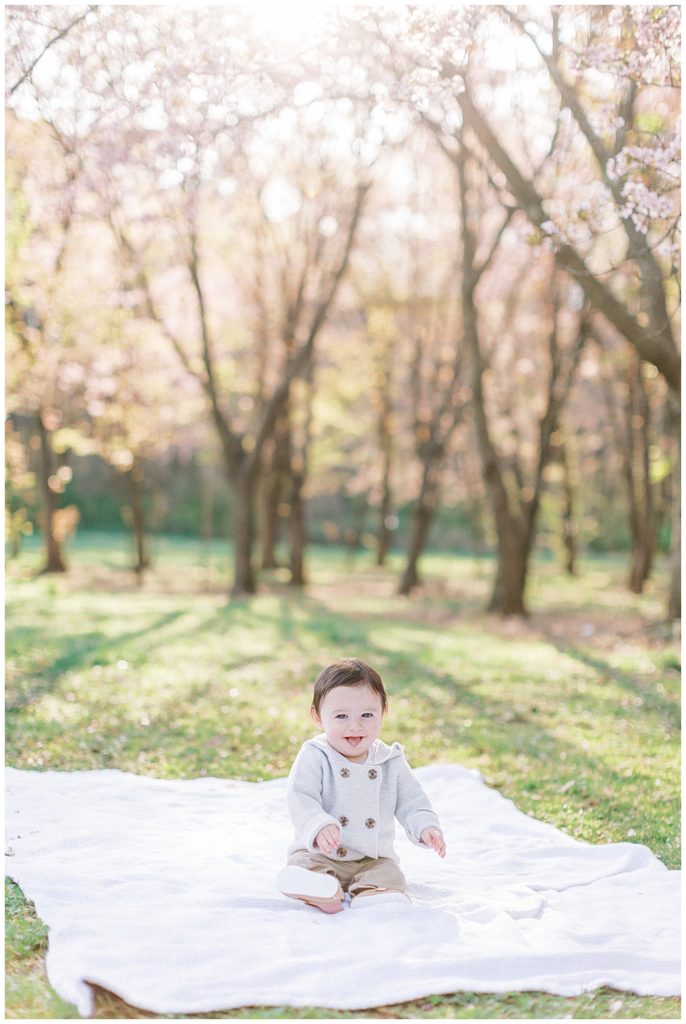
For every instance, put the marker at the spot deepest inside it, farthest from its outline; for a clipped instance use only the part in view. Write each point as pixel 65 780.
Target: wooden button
pixel 372 773
pixel 343 820
pixel 341 851
pixel 345 772
pixel 370 823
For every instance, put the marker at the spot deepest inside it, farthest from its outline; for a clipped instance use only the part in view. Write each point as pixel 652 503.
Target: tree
pixel 297 219
pixel 637 170
pixel 318 280
pixel 382 332
pixel 436 387
pixel 441 66
pixel 569 523
pixel 514 506
pixel 300 437
pixel 128 416
pixel 41 207
pixel 633 398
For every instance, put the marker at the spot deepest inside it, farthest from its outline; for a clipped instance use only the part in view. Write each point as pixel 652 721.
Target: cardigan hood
pixel 378 753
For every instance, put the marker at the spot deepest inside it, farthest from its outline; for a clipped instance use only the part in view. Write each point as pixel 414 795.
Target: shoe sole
pixel 315 888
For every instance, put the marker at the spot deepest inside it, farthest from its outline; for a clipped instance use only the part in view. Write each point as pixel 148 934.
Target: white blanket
pixel 163 892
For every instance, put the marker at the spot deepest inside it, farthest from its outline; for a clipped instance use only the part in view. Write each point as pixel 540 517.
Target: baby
pixel 345 788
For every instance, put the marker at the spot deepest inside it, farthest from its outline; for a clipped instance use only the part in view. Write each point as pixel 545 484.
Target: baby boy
pixel 345 789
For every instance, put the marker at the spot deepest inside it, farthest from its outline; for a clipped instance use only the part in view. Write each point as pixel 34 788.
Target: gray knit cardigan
pixel 325 788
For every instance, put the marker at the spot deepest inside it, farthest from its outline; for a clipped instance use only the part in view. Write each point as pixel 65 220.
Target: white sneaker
pixel 375 899
pixel 313 887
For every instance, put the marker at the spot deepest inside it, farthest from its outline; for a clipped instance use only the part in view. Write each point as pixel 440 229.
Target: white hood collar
pixel 378 753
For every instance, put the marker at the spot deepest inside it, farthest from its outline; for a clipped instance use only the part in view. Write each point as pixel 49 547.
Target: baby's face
pixel 351 718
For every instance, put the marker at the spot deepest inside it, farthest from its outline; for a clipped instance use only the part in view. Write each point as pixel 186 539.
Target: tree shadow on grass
pixel 79 652
pixel 650 699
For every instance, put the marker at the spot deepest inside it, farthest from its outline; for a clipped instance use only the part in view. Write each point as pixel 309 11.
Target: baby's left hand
pixel 433 838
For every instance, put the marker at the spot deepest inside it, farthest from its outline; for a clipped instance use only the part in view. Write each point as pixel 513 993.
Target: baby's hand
pixel 328 839
pixel 433 838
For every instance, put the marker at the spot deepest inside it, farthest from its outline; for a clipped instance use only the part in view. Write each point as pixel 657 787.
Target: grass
pixel 573 713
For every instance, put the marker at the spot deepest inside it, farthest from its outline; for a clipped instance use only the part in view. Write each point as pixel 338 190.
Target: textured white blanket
pixel 163 892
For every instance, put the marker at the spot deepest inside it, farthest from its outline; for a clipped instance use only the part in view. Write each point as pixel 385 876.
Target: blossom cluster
pixel 644 205
pixel 643 169
pixel 654 56
pixel 663 157
pixel 604 119
pixel 577 222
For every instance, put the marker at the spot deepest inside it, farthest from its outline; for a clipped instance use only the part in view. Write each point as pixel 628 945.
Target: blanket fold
pixel 163 891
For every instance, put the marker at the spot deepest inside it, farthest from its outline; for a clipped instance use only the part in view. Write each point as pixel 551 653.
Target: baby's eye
pixel 341 715
pixel 368 714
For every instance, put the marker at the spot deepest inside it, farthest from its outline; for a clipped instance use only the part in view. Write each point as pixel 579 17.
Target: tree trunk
pixel 138 519
pixel 355 515
pixel 422 518
pixel 298 530
pixel 207 488
pixel 54 558
pixel 642 542
pixel 275 482
pixel 245 485
pixel 15 539
pixel 568 520
pixel 300 435
pixel 641 517
pixel 632 442
pixel 507 597
pixel 383 541
pixel 510 581
pixel 674 600
pixel 269 519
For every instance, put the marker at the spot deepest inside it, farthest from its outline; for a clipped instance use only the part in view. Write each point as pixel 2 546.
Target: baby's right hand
pixel 328 839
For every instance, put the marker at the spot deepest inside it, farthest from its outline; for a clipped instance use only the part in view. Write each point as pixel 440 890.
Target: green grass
pixel 573 713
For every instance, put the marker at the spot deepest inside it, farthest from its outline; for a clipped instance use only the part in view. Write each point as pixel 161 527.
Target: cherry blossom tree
pixel 190 149
pixel 231 171
pixel 607 116
pixel 41 207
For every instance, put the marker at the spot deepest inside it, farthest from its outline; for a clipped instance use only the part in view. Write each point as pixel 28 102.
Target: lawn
pixel 572 713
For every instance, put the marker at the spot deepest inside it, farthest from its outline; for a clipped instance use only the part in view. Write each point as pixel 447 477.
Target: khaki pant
pixel 355 876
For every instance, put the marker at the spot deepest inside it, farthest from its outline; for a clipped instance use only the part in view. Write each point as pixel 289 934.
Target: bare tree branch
pixel 230 439
pixel 298 364
pixel 51 42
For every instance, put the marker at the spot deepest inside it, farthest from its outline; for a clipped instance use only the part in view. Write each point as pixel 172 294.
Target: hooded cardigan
pixel 362 800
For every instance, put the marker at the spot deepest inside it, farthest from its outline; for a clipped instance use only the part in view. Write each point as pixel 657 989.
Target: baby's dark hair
pixel 347 672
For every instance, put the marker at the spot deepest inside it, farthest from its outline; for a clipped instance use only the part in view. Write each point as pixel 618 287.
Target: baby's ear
pixel 315 717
